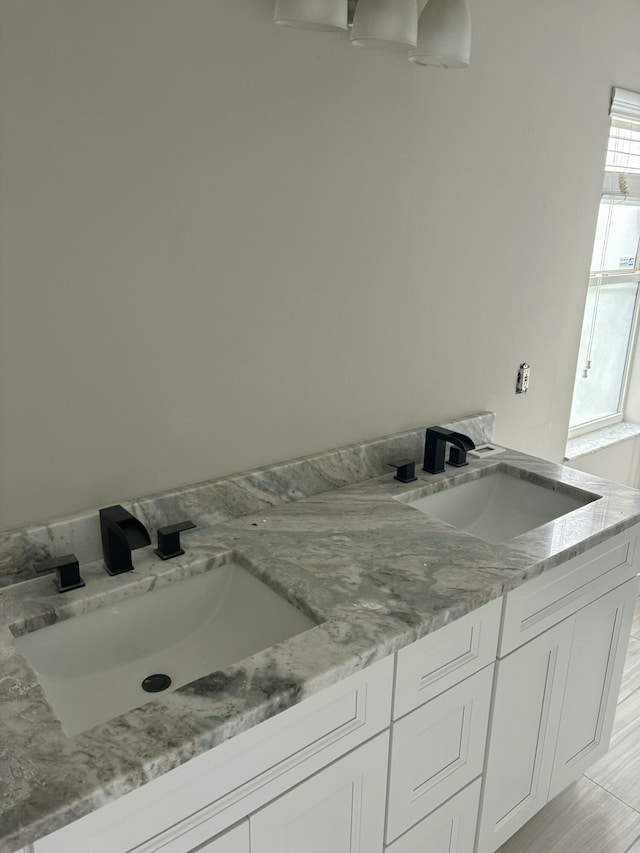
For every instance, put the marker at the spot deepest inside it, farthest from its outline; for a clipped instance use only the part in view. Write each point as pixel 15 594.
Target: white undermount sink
pixel 92 666
pixel 501 505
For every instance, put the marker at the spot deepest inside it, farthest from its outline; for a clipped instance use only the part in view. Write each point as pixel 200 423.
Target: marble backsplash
pixel 219 500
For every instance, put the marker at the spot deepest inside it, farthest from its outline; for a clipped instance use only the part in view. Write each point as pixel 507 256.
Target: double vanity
pixel 350 662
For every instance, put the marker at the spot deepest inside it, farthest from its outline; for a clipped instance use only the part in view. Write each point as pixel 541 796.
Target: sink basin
pixel 502 505
pixel 92 666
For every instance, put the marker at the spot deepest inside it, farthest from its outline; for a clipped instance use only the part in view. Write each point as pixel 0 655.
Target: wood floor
pixel 600 813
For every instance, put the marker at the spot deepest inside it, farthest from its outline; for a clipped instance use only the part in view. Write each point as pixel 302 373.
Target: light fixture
pixel 444 35
pixel 385 23
pixel 329 15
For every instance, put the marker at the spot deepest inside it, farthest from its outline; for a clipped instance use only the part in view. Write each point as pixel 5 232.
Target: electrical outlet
pixel 522 382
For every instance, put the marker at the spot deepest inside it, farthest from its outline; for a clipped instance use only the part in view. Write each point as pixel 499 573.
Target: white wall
pixel 223 244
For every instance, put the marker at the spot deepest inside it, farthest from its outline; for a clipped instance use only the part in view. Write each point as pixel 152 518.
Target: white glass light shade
pixel 327 15
pixel 385 23
pixel 444 35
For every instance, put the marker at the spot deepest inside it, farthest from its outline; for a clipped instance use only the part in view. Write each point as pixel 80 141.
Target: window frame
pixel 625 106
pixel 615 417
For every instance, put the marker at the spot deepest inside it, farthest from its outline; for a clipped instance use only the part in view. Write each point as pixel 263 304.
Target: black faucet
pixel 121 534
pixel 435 444
pixel 67 571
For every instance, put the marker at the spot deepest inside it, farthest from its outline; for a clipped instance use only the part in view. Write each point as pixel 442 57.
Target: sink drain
pixel 156 683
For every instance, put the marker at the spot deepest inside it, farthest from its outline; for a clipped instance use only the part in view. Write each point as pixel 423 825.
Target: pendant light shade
pixel 385 23
pixel 444 35
pixel 329 15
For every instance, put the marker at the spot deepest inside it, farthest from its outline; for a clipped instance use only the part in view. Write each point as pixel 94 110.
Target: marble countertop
pixel 375 573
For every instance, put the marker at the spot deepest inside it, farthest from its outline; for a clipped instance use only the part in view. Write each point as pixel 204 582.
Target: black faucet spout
pixel 121 534
pixel 435 445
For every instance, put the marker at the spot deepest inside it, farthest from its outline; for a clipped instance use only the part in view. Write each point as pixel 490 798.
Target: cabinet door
pixel 340 810
pixel 528 704
pixel 234 841
pixel 600 639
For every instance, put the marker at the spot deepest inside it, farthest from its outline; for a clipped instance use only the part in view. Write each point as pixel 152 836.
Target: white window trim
pixel 616 417
pixel 592 426
pixel 625 105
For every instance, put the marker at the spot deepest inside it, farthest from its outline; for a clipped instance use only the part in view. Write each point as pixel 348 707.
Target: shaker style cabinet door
pixel 526 717
pixel 339 810
pixel 598 651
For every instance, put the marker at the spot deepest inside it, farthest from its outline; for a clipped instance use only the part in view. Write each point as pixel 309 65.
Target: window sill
pixel 583 445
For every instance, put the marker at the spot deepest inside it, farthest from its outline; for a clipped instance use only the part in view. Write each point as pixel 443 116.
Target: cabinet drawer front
pixel 548 599
pixel 438 749
pixel 600 640
pixel 449 829
pixel 438 661
pixel 340 810
pixel 193 803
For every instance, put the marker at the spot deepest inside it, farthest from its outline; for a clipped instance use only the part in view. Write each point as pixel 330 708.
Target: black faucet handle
pixel 169 539
pixel 405 470
pixel 67 569
pixel 457 457
pixel 458 453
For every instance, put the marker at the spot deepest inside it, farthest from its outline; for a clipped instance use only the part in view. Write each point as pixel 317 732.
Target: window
pixel 611 312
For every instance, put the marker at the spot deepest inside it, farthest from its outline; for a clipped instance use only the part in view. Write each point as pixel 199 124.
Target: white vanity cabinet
pixel 556 693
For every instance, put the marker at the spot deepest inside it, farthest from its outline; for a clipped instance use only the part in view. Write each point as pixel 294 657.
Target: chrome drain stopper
pixel 156 683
